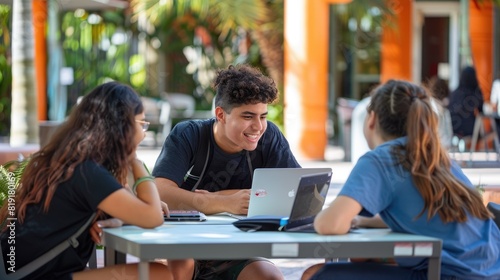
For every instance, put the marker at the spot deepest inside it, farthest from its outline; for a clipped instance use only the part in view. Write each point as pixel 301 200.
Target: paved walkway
pixel 483 169
pixel 291 268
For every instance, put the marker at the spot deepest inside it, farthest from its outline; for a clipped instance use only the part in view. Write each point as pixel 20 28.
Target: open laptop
pixel 308 202
pixel 274 189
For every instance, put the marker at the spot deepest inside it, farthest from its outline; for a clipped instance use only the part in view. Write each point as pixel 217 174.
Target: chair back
pixel 495 209
pixel 181 105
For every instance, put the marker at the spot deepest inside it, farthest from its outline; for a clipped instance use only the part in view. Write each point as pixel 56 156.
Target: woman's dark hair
pixel 243 84
pixel 405 109
pixel 468 78
pixel 439 88
pixel 100 129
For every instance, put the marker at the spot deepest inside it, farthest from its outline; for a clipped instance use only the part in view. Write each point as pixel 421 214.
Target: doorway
pixel 436 41
pixel 435 48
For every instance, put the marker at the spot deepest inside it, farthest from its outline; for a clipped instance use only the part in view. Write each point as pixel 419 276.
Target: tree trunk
pixel 269 37
pixel 271 47
pixel 24 121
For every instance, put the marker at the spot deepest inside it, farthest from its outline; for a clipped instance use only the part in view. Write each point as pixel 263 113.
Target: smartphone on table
pixel 185 215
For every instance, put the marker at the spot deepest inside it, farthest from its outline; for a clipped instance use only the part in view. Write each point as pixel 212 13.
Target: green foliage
pixel 10 175
pixel 223 16
pixel 480 188
pixel 200 36
pixel 99 47
pixel 5 71
pixel 275 114
pixel 480 2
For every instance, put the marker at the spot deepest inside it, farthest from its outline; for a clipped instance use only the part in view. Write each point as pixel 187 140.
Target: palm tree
pixel 227 15
pixel 263 20
pixel 269 36
pixel 24 121
pixel 218 21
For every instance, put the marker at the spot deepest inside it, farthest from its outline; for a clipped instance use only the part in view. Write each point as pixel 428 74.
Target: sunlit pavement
pixel 482 169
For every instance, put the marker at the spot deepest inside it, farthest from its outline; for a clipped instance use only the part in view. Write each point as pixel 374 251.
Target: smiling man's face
pixel 242 128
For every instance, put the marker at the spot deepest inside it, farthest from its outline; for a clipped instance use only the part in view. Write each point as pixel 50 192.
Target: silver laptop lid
pixel 274 189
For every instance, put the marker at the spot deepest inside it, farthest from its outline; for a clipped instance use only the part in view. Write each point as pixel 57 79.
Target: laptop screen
pixel 310 198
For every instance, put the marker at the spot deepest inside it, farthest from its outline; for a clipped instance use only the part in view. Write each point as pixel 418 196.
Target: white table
pixel 218 240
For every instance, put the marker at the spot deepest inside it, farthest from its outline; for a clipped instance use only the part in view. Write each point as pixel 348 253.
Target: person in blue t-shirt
pixel 410 184
pixel 241 139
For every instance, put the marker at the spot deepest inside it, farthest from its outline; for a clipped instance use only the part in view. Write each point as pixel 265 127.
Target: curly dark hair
pixel 98 129
pixel 243 84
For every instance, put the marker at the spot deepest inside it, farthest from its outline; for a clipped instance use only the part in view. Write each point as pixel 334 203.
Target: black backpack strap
pixel 45 258
pixel 202 155
pixel 249 163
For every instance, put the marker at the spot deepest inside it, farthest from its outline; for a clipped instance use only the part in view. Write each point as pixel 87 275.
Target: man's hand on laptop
pixel 230 201
pixel 238 202
pixel 235 201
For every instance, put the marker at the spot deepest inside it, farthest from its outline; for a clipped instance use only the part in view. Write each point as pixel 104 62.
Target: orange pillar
pixel 396 50
pixel 39 24
pixel 306 71
pixel 481 42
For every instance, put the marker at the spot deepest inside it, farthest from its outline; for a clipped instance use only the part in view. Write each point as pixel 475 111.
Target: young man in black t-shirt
pixel 241 140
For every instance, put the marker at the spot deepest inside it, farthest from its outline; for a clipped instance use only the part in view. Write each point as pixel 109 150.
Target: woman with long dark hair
pixel 81 171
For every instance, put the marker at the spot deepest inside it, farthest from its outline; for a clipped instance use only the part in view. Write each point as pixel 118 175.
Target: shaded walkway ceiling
pixel 84 4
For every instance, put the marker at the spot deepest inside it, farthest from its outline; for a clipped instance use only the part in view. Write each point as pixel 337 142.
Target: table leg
pixel 112 257
pixel 109 256
pixel 143 267
pixel 434 270
pixel 495 137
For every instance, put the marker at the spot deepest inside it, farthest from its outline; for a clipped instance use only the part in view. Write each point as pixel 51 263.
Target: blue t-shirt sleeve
pixel 177 154
pixel 369 184
pixel 276 149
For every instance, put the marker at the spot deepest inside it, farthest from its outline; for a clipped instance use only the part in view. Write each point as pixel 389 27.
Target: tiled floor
pixel 291 268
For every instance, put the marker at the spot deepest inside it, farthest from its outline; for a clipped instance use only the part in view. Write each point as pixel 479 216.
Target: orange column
pixel 39 24
pixel 396 50
pixel 481 41
pixel 306 71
